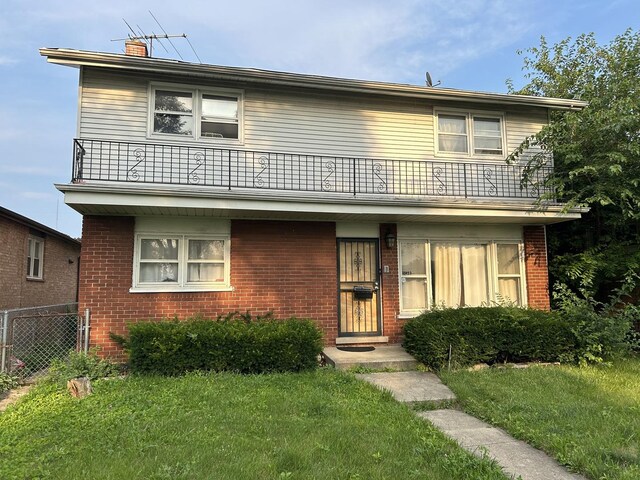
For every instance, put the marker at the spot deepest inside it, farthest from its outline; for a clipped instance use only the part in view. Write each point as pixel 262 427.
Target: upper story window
pixel 35 254
pixel 198 113
pixel 469 134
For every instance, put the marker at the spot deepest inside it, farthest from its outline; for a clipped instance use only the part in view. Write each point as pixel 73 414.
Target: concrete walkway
pixel 514 456
pixel 410 387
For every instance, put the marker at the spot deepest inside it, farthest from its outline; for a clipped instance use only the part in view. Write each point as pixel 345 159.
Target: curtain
pixel 474 274
pixel 447 283
pixel 509 289
pixel 452 135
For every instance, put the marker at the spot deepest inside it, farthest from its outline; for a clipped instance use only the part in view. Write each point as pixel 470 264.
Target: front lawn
pixel 323 424
pixel 588 418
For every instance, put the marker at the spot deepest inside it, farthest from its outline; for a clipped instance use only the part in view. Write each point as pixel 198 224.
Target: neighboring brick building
pixel 39 265
pixel 208 189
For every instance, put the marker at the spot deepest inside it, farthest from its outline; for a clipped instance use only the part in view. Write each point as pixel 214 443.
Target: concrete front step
pixel 392 357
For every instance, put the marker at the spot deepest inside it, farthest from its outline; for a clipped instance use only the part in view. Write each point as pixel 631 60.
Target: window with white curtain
pixel 460 275
pixel 181 262
pixel 448 273
pixel 465 134
pixel 509 273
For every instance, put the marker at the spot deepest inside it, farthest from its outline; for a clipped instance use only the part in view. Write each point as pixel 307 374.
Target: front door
pixel 358 287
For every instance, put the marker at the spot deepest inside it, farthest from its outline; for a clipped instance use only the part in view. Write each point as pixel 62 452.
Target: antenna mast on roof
pixel 148 39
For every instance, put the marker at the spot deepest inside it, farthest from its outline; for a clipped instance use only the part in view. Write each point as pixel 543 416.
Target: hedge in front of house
pixel 239 345
pixel 487 335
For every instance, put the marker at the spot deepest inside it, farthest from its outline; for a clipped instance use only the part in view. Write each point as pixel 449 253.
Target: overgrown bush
pixel 231 343
pixel 603 331
pixel 7 382
pixel 487 335
pixel 80 364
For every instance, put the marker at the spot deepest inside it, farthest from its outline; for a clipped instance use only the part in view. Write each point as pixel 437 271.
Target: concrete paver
pixel 514 456
pixel 410 386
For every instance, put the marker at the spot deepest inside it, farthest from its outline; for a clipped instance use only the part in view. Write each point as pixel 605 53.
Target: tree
pixel 596 154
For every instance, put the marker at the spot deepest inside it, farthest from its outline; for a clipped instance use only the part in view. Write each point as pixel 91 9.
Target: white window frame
pixel 182 285
pixel 469 116
pixel 35 244
pixel 196 94
pixel 492 267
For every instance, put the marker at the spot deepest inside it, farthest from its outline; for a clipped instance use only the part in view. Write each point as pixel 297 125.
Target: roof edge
pixel 16 217
pixel 76 58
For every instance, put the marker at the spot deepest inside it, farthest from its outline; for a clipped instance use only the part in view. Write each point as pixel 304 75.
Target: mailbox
pixel 362 293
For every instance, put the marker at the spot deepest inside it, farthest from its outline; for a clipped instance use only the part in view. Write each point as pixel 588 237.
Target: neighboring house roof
pixel 16 217
pixel 78 58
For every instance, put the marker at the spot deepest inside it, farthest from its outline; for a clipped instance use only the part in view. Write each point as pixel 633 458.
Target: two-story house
pixel 208 189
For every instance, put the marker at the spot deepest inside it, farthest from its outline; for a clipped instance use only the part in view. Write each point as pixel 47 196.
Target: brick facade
pixel 287 267
pixel 59 274
pixel 537 273
pixel 390 287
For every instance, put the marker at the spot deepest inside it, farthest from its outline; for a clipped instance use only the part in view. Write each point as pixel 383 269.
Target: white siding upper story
pixel 115 106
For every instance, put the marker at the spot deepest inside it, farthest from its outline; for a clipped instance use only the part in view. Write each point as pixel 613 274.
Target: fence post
pixel 86 330
pixel 5 333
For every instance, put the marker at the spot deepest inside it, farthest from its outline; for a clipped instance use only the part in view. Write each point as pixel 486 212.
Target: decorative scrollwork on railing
pixel 438 173
pixel 78 159
pixel 193 177
pixel 381 186
pixel 132 174
pixel 326 183
pixel 487 174
pixel 263 161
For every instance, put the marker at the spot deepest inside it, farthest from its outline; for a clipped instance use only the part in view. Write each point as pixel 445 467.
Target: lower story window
pixel 455 274
pixel 181 262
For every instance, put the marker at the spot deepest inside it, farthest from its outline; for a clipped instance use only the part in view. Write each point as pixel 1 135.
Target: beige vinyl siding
pixel 114 106
pixel 339 126
pixel 522 124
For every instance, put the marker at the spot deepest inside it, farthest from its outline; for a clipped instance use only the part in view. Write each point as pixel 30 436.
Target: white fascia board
pixel 308 207
pixel 76 58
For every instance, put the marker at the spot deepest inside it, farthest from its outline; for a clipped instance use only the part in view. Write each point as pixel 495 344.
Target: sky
pixel 466 44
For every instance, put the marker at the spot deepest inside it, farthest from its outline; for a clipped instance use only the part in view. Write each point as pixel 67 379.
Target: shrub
pixel 233 343
pixel 602 331
pixel 80 364
pixel 8 382
pixel 489 335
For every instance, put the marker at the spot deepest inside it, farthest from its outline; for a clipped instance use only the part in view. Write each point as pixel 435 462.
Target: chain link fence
pixel 32 337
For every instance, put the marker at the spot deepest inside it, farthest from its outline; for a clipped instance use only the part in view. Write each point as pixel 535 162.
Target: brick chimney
pixel 135 48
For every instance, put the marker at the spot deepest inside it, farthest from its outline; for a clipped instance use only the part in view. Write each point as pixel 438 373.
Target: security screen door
pixel 358 287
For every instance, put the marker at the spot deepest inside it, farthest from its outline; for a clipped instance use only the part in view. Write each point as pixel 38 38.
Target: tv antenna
pixel 148 39
pixel 429 81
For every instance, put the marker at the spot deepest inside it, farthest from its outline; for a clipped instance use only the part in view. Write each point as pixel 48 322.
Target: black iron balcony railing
pixel 232 169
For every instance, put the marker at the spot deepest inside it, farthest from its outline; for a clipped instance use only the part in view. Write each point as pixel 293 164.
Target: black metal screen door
pixel 358 292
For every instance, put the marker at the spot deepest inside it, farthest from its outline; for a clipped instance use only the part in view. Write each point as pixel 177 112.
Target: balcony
pixel 229 169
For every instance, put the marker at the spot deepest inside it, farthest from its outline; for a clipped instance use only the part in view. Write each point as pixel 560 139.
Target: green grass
pixel 587 418
pixel 322 424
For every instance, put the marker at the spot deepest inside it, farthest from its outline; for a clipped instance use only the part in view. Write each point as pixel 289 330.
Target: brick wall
pixel 390 287
pixel 287 267
pixel 59 282
pixel 535 251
